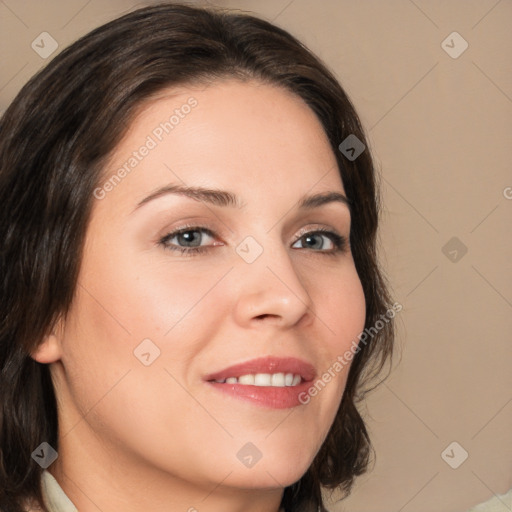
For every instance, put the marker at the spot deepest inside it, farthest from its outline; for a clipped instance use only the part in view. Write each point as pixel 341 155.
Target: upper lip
pixel 267 365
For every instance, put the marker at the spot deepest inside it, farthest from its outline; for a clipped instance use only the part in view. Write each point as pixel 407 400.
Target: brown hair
pixel 55 138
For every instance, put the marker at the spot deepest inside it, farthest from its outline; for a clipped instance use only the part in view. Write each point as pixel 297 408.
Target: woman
pixel 191 300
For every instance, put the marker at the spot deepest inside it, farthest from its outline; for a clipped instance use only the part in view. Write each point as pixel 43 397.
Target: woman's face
pixel 158 314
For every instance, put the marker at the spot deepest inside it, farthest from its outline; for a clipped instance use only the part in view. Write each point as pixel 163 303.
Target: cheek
pixel 341 307
pixel 149 295
pixel 122 315
pixel 96 348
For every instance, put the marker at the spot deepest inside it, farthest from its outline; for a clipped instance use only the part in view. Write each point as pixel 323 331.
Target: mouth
pixel 276 380
pixel 270 382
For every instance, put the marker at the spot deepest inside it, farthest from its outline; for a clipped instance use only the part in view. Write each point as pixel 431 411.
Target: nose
pixel 270 290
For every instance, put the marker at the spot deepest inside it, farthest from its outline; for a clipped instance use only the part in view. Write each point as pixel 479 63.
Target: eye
pixel 191 240
pixel 322 240
pixel 188 240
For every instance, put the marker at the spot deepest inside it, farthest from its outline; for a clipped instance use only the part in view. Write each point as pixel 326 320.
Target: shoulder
pixel 498 503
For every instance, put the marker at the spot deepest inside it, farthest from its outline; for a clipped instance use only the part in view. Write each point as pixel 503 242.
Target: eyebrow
pixel 228 199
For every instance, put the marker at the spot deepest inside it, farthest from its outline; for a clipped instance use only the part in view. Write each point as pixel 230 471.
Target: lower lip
pixel 266 396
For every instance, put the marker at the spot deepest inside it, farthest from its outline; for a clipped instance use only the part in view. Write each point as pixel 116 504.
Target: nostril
pixel 265 315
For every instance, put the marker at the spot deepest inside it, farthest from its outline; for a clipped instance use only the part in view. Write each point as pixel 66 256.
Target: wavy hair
pixel 55 138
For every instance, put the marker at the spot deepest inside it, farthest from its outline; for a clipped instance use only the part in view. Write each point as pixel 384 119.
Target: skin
pixel 135 437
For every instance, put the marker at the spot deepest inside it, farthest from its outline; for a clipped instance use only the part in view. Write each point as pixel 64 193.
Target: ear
pixel 50 349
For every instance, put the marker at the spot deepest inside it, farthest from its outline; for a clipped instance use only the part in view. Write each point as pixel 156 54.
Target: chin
pixel 263 480
pixel 270 474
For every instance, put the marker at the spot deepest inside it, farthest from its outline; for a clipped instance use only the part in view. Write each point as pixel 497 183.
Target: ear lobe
pixel 49 350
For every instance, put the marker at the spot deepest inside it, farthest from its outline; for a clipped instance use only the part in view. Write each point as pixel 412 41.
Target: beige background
pixel 439 129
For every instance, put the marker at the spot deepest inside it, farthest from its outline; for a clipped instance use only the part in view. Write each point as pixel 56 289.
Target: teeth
pixel 278 380
pixel 263 379
pixel 246 379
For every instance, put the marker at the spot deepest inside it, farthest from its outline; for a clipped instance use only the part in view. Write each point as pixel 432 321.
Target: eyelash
pixel 339 241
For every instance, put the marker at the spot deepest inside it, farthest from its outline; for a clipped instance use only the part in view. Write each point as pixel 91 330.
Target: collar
pixel 54 497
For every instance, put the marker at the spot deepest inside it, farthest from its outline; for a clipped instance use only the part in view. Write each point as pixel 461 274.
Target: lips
pixel 267 365
pixel 268 397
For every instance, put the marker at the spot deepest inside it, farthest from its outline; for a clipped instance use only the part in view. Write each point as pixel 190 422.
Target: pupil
pixel 189 239
pixel 311 238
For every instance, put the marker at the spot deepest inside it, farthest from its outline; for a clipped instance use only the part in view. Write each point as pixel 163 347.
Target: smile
pixel 269 382
pixel 279 380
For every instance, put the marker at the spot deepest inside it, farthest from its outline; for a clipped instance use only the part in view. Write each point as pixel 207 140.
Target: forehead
pixel 244 136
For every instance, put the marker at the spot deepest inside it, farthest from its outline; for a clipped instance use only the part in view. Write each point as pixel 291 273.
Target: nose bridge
pixel 270 283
